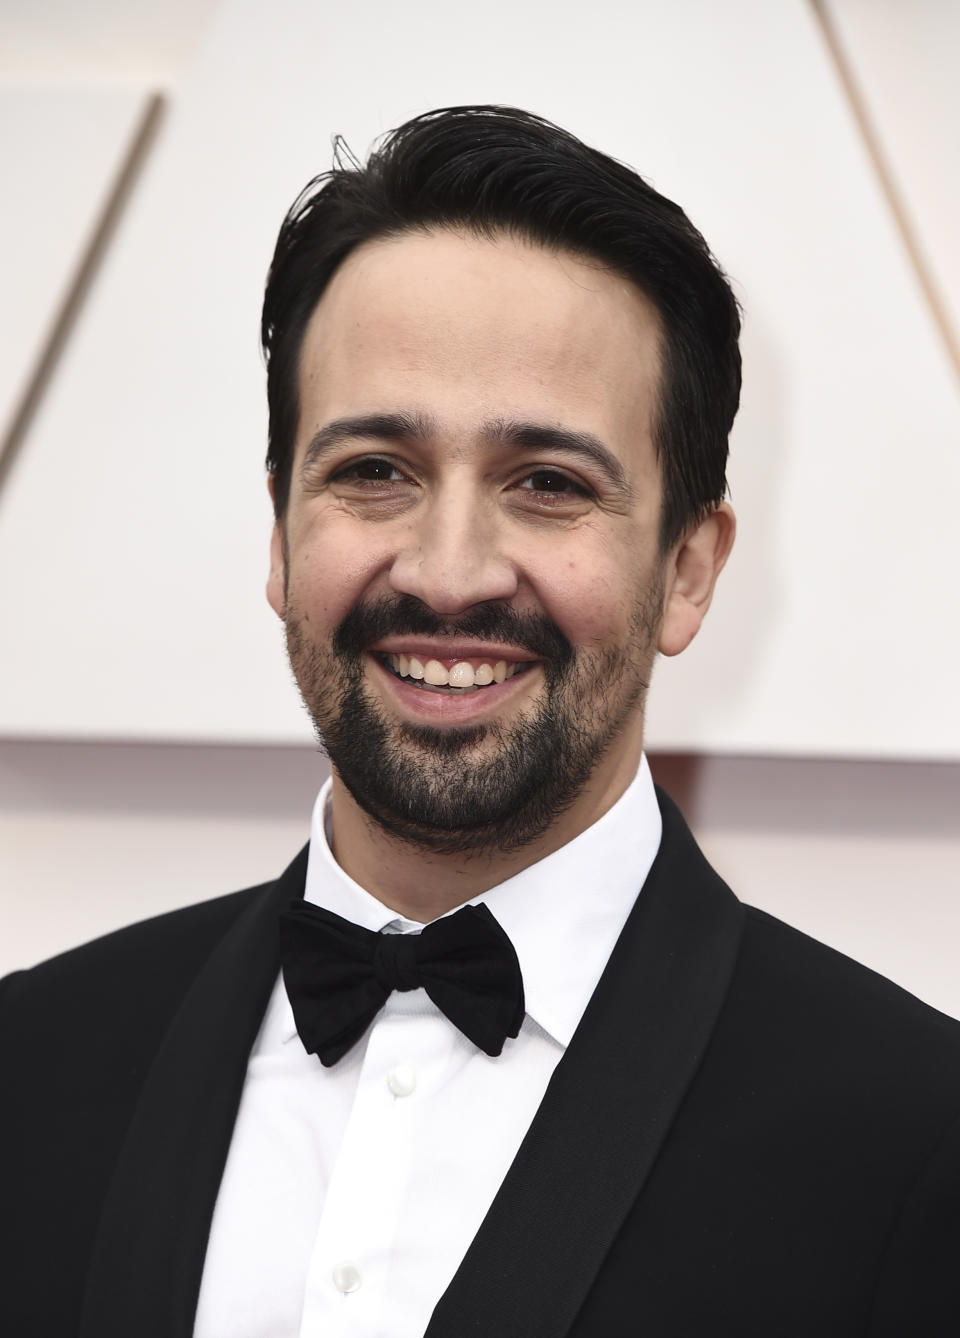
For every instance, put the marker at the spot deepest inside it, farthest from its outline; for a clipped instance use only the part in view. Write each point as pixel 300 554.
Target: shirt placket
pixel 360 1237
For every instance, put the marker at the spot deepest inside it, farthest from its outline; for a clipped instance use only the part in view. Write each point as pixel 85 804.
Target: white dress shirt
pixel 351 1194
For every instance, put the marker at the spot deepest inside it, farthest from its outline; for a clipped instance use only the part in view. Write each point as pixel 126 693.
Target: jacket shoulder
pixel 181 939
pixel 827 986
pixel 839 1037
pixel 118 992
pixel 79 1034
pixel 811 1178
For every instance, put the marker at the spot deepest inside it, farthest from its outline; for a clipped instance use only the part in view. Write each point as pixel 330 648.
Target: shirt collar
pixel 563 914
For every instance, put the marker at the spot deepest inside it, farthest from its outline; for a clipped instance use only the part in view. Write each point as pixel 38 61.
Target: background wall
pixel 153 751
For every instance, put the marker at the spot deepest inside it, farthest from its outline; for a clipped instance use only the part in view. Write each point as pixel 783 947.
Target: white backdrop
pixel 133 529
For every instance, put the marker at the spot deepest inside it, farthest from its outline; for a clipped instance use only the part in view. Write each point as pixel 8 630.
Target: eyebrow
pixel 499 431
pixel 377 426
pixel 567 441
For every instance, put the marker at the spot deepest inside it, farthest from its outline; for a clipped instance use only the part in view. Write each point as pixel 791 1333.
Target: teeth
pixel 462 675
pixel 434 672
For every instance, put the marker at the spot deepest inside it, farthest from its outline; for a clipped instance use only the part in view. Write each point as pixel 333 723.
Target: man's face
pixel 469 568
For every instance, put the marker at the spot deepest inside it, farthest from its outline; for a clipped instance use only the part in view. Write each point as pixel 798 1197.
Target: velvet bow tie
pixel 338 976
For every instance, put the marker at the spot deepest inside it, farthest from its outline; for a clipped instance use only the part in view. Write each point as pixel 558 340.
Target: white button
pixel 401 1080
pixel 346 1277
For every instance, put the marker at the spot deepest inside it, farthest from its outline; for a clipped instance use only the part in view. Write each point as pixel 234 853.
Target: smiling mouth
pixel 461 678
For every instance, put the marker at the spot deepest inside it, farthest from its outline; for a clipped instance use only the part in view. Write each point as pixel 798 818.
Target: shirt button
pixel 346 1277
pixel 401 1080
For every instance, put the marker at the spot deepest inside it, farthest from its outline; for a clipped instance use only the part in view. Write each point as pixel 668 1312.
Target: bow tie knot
pixel 338 976
pixel 395 962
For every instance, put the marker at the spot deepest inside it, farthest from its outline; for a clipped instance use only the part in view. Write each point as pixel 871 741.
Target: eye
pixel 553 482
pixel 371 469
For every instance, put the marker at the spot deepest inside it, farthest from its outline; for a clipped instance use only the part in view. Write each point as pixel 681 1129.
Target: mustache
pixel 408 616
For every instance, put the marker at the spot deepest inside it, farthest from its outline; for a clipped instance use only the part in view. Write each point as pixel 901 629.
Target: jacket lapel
pixel 148 1256
pixel 608 1107
pixel 575 1178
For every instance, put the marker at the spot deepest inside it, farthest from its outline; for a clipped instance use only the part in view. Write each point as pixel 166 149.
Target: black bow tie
pixel 338 976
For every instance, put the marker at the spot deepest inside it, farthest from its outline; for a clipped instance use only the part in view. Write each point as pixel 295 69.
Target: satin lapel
pixel 608 1108
pixel 148 1257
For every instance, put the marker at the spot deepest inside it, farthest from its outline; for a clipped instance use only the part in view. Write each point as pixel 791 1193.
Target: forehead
pixel 469 328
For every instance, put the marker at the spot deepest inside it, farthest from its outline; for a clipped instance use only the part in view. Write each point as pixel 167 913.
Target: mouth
pixel 453 677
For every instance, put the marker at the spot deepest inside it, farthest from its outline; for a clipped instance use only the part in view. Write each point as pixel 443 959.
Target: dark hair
pixel 494 170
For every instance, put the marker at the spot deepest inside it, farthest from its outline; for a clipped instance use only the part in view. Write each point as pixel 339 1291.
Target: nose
pixel 453 557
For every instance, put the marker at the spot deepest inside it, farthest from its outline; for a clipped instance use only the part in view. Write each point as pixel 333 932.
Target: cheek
pixel 329 571
pixel 594 582
pixel 590 600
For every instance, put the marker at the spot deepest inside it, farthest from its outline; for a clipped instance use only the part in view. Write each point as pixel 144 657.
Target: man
pixel 604 1098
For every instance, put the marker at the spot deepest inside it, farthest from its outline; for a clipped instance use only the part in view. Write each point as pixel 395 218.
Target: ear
pixel 692 573
pixel 277 580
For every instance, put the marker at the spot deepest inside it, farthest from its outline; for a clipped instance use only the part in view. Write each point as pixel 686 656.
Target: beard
pixel 478 789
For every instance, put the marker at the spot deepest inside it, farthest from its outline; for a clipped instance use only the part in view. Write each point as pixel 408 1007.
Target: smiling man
pixel 499 1053
pixel 470 559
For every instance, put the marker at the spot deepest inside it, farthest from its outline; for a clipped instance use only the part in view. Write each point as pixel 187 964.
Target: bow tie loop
pixel 338 976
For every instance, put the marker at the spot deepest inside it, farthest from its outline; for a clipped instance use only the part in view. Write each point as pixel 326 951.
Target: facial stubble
pixel 480 789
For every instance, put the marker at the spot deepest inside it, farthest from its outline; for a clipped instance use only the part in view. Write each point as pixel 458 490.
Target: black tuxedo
pixel 749 1134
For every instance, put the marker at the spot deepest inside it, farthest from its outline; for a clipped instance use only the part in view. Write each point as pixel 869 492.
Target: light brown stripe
pixel 871 139
pixel 81 283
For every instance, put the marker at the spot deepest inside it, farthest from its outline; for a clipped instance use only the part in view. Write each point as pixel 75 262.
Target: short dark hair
pixel 497 170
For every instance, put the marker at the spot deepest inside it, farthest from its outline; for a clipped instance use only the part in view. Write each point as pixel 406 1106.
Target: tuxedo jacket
pixel 748 1135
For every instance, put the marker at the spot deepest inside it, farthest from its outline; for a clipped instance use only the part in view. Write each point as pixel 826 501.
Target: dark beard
pixel 426 785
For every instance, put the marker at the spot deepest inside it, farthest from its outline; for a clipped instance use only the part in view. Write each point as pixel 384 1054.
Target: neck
pixel 421 885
